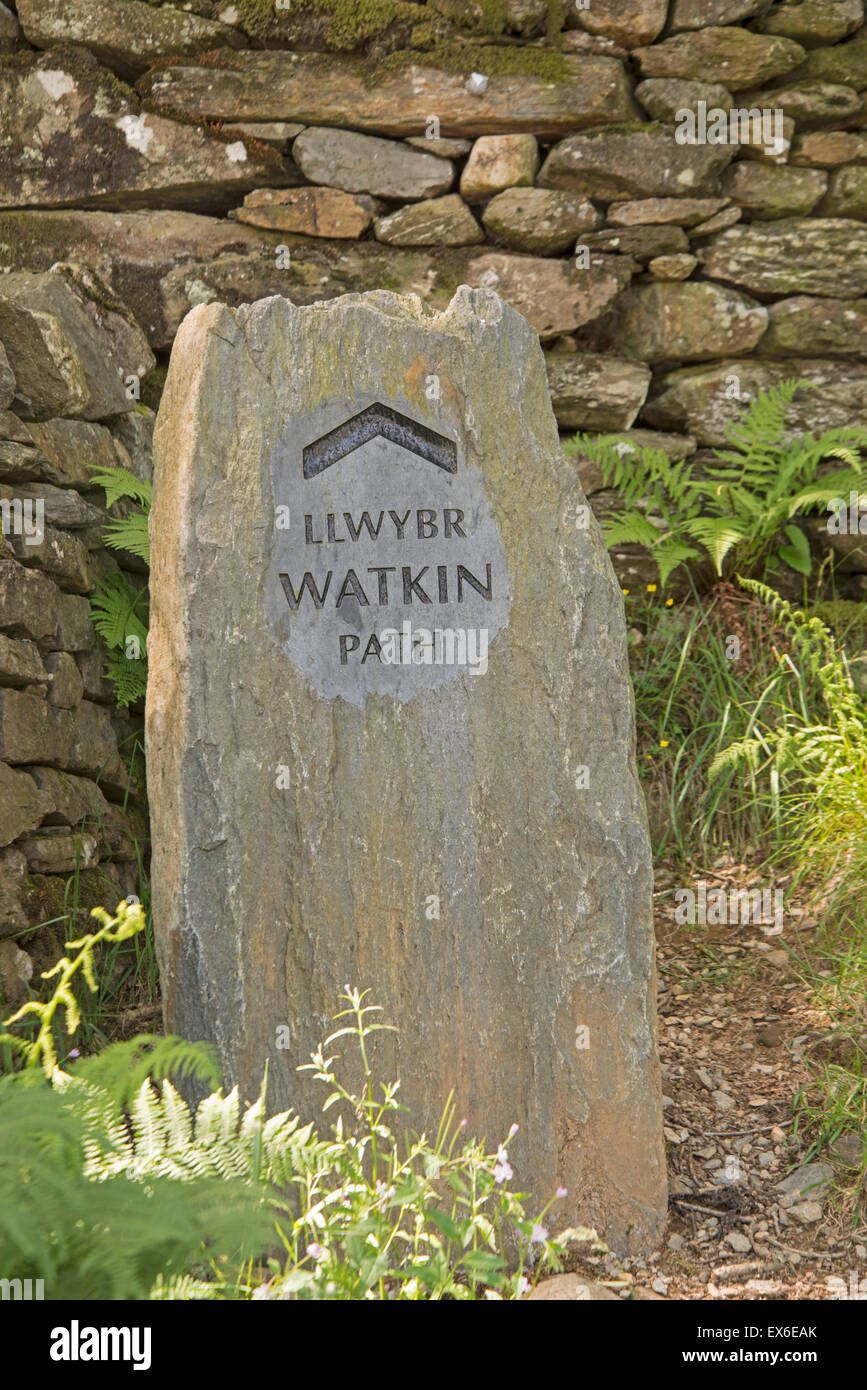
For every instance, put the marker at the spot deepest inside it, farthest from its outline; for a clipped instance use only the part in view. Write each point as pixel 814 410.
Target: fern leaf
pixel 631 529
pixel 120 482
pixel 129 533
pixel 669 555
pixel 718 534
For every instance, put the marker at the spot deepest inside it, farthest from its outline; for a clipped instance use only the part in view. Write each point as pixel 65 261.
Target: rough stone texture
pixel 300 87
pixel 276 133
pixel 128 36
pixel 58 553
pixel 437 222
pixel 752 143
pixel 7 380
pixel 795 256
pixel 22 804
pixel 577 41
pixel 497 162
pixel 97 146
pixel 68 136
pixel 681 212
pixel 331 25
pixel 32 607
pixel 813 22
pixel 132 251
pixel 627 22
pixel 641 163
pixel 718 223
pixel 825 149
pixel 32 730
pixel 327 212
pixel 20 663
pixel 676 267
pixel 663 97
pixel 734 57
pixel 539 219
pixel 60 452
pixel 66 688
pixel 702 400
pixel 446 149
pixel 698 14
pixel 10 31
pixel 367 164
pixel 263 914
pixel 553 296
pixel 60 356
pixel 847 193
pixel 816 327
pixel 811 104
pixel 773 191
pixel 595 391
pixel 641 242
pixel 693 322
pixel 845 64
pixel 63 507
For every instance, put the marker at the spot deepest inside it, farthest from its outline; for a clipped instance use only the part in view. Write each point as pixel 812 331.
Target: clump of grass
pixel 696 692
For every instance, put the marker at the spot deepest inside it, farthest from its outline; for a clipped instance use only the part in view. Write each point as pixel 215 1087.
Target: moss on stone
pixel 493 15
pixel 494 60
pixel 20 236
pixel 151 389
pixel 555 21
pixel 347 24
pixel 48 896
pixel 846 618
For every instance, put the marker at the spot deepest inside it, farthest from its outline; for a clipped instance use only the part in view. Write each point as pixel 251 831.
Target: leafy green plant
pixel 112 1239
pixel 818 765
pixel 732 513
pixel 118 609
pixel 115 1187
pixel 88 1226
pixel 433 1220
pixel 42 1050
pixel 692 700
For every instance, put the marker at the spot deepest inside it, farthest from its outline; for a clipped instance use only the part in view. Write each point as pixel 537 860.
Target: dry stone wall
pixel 71 811
pixel 154 157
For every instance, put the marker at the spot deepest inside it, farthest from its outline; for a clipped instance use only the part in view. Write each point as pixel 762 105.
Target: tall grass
pixel 693 699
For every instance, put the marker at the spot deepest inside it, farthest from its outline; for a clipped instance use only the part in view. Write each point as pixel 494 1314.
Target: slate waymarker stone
pixel 420 828
pixel 427 554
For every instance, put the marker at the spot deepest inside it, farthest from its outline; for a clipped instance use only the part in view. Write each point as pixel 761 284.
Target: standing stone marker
pixel 390 735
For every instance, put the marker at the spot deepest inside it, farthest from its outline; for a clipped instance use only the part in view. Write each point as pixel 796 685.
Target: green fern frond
pixel 115 1238
pixel 718 535
pixel 120 482
pixel 119 1070
pixel 740 504
pixel 182 1288
pixel 762 427
pixel 129 678
pixel 117 611
pixel 129 533
pixel 631 529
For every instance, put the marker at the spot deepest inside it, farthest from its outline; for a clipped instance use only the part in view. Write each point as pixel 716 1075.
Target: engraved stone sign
pixel 388 574
pixel 390 735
